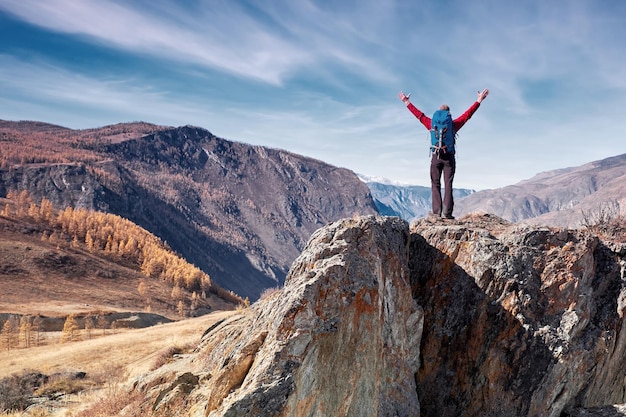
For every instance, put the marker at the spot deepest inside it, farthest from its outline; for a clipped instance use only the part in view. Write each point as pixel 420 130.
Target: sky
pixel 321 78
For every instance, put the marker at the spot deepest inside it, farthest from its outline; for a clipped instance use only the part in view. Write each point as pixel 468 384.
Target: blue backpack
pixel 442 133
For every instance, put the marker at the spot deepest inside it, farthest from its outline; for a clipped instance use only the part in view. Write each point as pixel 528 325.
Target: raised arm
pixel 462 119
pixel 425 120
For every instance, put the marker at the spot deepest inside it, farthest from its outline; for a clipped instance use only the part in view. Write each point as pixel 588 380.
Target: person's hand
pixel 403 97
pixel 482 95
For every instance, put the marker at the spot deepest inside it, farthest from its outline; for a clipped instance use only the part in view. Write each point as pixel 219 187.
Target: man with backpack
pixel 442 133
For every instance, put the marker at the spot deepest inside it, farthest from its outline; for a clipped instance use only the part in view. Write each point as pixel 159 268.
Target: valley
pixel 93 372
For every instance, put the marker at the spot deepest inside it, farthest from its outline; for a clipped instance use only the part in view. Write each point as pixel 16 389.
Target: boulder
pixel 341 339
pixel 519 320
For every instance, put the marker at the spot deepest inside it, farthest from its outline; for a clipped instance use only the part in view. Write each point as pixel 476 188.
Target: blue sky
pixel 321 78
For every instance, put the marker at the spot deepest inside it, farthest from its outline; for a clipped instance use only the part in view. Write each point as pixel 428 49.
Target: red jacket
pixel 458 122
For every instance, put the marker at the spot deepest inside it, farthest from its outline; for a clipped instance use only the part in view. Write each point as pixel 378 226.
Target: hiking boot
pixel 448 216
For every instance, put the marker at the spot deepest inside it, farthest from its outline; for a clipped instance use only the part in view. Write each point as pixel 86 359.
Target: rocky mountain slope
pixel 241 213
pixel 408 202
pixel 472 317
pixel 558 198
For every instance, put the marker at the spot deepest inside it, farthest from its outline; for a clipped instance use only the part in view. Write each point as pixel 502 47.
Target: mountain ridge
pixel 559 197
pixel 240 212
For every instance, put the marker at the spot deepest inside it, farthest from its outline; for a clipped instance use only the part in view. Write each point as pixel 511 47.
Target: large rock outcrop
pixel 519 320
pixel 474 317
pixel 65 185
pixel 341 339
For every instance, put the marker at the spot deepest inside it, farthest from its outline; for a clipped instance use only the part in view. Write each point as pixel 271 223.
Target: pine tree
pixel 8 335
pixel 102 323
pixel 25 334
pixel 89 325
pixel 195 299
pixel 89 240
pixel 7 210
pixel 177 293
pixel 46 209
pixel 142 288
pixel 71 330
pixel 33 211
pixel 38 329
pixel 23 203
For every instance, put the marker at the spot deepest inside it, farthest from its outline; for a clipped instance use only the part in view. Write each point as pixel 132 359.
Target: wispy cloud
pixel 48 83
pixel 221 37
pixel 321 78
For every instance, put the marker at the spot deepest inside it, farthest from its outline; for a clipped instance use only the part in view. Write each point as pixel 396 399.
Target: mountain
pixel 565 197
pixel 408 202
pixel 239 212
pixel 475 317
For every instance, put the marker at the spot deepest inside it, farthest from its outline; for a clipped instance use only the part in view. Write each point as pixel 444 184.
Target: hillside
pixel 559 198
pixel 241 213
pixel 51 265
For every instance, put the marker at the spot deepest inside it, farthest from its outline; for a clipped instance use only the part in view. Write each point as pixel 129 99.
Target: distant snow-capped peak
pixel 382 180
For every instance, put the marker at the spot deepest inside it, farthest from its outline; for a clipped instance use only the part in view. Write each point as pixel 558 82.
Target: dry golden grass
pixel 109 361
pixel 133 351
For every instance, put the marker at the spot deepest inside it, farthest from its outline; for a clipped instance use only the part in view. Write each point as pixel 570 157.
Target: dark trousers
pixel 446 164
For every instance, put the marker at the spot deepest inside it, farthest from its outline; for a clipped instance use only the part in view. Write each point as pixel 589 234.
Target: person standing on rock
pixel 443 131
